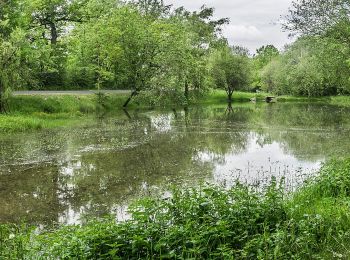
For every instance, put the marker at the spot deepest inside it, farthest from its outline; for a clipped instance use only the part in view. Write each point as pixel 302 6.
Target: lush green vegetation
pixel 37 112
pixel 170 56
pixel 209 222
pixel 317 64
pixel 165 52
pixel 162 53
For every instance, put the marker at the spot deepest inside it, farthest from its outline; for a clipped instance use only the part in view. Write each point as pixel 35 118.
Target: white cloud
pixel 242 32
pixel 253 22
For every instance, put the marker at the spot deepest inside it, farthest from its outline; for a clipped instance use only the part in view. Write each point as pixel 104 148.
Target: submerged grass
pixel 209 222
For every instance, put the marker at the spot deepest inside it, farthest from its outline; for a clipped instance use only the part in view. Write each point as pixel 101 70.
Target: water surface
pixel 69 174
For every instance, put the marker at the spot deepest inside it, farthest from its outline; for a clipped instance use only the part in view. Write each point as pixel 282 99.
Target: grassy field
pixel 209 222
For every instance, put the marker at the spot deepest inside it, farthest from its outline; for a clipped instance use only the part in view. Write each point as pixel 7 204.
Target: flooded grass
pixel 209 222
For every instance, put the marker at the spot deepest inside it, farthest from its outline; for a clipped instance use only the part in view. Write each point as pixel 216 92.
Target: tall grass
pixel 210 222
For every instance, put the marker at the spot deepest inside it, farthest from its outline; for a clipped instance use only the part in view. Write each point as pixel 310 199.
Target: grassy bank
pixel 332 100
pixel 68 104
pixel 37 112
pixel 210 222
pixel 36 121
pixel 220 97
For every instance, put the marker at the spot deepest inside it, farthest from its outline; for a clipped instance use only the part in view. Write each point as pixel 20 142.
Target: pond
pixel 68 175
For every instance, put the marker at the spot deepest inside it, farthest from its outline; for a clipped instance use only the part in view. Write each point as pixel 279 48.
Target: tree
pixel 265 55
pixel 127 56
pixel 315 17
pixel 230 71
pixel 48 23
pixel 51 17
pixel 311 66
pixel 161 52
pixel 203 33
pixel 13 68
pixel 13 46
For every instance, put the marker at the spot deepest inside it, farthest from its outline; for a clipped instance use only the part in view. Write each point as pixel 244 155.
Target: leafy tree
pixel 47 23
pixel 317 63
pixel 315 17
pixel 230 71
pixel 14 71
pixel 13 46
pixel 310 67
pixel 266 54
pixel 52 17
pixel 203 33
pixel 161 51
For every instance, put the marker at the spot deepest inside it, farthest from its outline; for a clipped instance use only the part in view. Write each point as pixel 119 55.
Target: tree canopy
pixel 230 70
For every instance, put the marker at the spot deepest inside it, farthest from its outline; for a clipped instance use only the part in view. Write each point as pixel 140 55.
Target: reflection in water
pixel 258 164
pixel 68 175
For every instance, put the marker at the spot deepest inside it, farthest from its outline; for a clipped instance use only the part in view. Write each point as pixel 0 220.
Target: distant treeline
pixel 165 51
pixel 318 63
pixel 140 45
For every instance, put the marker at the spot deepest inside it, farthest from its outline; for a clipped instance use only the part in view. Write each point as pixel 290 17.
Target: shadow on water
pixel 66 175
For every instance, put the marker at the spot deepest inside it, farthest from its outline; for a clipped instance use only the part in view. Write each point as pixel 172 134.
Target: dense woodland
pixel 162 51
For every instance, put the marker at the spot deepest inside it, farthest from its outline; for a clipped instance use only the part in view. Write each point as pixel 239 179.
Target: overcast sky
pixel 253 22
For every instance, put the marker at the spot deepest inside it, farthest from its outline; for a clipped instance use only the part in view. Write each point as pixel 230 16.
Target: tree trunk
pixel 229 94
pixel 186 91
pixel 2 110
pixel 186 116
pixel 54 34
pixel 2 105
pixel 127 114
pixel 229 108
pixel 134 93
